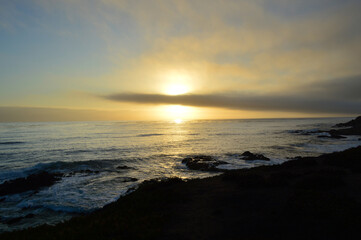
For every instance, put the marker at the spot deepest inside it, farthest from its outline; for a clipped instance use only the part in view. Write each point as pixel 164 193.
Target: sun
pixel 176 83
pixel 176 89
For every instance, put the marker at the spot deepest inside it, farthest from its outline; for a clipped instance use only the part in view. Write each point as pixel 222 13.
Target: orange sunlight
pixel 176 83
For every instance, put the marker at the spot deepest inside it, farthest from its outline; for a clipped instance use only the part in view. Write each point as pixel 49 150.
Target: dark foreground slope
pixel 307 198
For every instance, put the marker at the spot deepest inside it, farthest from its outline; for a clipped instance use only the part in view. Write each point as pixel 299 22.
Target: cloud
pixel 246 102
pixel 333 96
pixel 39 114
pixel 277 50
pixel 340 88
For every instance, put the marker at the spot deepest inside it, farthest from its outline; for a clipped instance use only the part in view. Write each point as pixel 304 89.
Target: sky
pixel 83 60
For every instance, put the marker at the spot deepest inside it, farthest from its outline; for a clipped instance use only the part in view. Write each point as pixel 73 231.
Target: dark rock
pixel 332 135
pixel 354 128
pixel 32 182
pixel 347 131
pixel 352 123
pixel 245 180
pixel 300 162
pixel 131 189
pixel 2 199
pixel 287 201
pixel 128 179
pixel 202 163
pixel 305 132
pixel 30 215
pixel 251 156
pixel 12 221
pixel 320 180
pixel 86 171
pixel 123 167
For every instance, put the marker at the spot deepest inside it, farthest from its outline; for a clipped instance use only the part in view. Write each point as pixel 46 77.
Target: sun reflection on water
pixel 178 121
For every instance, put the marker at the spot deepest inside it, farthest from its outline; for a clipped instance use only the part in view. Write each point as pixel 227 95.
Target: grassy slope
pixel 309 198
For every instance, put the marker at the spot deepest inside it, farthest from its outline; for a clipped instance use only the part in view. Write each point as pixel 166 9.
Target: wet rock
pixel 251 156
pixel 88 171
pixel 352 123
pixel 347 131
pixel 30 215
pixel 305 132
pixel 300 132
pixel 123 167
pixel 128 179
pixel 354 128
pixel 202 163
pixel 332 135
pixel 32 182
pixel 11 221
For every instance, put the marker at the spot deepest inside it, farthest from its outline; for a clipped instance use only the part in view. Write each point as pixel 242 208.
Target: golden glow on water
pixel 178 121
pixel 178 113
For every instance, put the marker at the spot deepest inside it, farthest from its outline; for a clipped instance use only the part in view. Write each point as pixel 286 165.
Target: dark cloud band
pixel 339 96
pixel 246 102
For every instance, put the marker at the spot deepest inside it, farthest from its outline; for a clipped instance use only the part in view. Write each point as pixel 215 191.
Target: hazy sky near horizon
pixel 184 59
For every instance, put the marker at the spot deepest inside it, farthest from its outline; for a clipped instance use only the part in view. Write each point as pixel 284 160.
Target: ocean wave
pixel 329 148
pixel 304 131
pixel 150 135
pixel 224 134
pixel 11 143
pixel 67 209
pixel 54 207
pixel 66 168
pixel 91 151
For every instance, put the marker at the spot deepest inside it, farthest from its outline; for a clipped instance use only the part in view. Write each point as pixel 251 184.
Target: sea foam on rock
pixel 202 163
pixel 253 156
pixel 32 182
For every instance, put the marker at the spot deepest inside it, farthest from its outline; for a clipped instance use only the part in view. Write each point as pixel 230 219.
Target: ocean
pixel 100 161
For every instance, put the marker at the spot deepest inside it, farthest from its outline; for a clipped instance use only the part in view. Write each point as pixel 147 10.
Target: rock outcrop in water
pixel 332 135
pixel 128 179
pixel 202 163
pixel 32 182
pixel 353 128
pixel 251 156
pixel 353 123
pixel 124 167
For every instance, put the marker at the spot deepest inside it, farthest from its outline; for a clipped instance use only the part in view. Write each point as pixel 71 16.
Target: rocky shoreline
pixel 304 198
pixel 307 198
